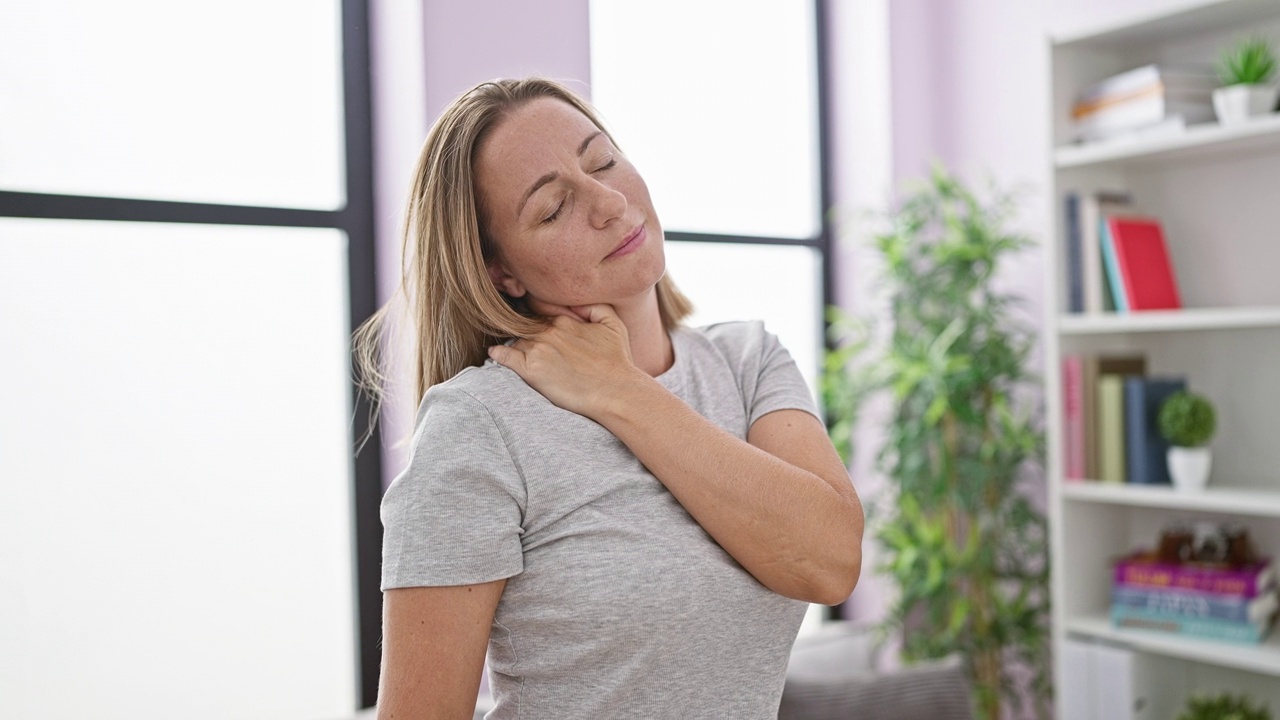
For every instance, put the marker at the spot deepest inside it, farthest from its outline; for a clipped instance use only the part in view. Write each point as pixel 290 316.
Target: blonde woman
pixel 629 515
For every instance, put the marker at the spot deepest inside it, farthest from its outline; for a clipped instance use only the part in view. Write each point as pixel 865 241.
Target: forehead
pixel 529 139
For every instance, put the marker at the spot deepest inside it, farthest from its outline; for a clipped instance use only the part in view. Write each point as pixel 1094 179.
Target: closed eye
pixel 554 214
pixel 606 166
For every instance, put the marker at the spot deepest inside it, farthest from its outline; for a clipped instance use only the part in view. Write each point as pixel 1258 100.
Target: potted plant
pixel 1224 706
pixel 1245 70
pixel 964 548
pixel 1187 421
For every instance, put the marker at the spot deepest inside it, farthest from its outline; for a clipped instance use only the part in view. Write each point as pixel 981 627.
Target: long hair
pixel 452 308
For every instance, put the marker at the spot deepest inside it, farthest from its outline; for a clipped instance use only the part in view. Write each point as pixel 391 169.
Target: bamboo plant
pixel 965 549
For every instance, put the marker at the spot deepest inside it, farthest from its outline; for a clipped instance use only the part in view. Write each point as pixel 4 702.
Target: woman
pixel 627 513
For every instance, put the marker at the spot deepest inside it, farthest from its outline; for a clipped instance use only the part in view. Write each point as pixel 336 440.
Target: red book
pixel 1144 570
pixel 1142 261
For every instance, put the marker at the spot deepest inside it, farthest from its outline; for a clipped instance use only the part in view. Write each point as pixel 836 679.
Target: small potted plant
pixel 1222 707
pixel 1187 420
pixel 1245 69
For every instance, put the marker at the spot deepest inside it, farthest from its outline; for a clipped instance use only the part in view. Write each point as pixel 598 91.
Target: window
pixel 186 240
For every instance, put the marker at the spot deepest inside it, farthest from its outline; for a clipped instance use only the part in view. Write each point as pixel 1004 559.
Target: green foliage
pixel 1248 62
pixel 1187 419
pixel 1224 706
pixel 966 551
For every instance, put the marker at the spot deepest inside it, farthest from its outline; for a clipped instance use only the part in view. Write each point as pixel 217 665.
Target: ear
pixel 506 283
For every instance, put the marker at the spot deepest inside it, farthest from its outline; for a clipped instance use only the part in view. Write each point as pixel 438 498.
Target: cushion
pixel 833 676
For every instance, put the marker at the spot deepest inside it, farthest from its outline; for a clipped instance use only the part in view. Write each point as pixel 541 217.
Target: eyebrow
pixel 553 174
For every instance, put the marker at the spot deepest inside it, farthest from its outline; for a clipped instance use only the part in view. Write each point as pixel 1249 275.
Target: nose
pixel 607 204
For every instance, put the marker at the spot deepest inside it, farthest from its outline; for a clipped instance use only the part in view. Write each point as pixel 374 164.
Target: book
pixel 1142 264
pixel 1111 268
pixel 1173 78
pixel 1111 460
pixel 1146 451
pixel 1086 283
pixel 1074 422
pixel 1093 367
pixel 1235 608
pixel 1094 209
pixel 1143 569
pixel 1145 97
pixel 1075 253
pixel 1208 628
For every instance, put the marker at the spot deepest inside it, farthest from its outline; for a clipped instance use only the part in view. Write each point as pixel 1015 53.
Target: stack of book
pixel 1116 259
pixel 1110 408
pixel 1151 98
pixel 1202 600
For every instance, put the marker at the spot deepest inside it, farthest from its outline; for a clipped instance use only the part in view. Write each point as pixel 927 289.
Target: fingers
pixel 508 357
pixel 599 313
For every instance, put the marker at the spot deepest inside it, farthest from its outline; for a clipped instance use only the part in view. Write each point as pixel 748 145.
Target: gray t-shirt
pixel 617 603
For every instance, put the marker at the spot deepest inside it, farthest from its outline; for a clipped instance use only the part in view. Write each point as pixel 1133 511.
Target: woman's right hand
pixel 583 356
pixel 433 647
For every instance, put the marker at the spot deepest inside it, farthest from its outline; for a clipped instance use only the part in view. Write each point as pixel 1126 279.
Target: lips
pixel 630 243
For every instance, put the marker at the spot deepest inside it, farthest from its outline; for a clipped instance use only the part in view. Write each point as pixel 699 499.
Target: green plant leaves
pixel 965 550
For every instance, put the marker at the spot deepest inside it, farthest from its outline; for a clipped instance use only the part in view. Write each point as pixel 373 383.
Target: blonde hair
pixel 454 310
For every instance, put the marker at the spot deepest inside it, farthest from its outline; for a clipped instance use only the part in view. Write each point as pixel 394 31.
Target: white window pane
pixel 175 481
pixel 715 101
pixel 779 284
pixel 237 102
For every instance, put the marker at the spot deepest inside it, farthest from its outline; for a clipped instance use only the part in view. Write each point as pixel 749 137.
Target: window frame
pixel 356 219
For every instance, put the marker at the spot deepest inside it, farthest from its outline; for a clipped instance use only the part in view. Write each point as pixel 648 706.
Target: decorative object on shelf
pixel 1224 706
pixel 965 549
pixel 1144 100
pixel 1246 69
pixel 1187 421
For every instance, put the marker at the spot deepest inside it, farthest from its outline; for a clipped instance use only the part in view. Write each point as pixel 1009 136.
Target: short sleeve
pixel 766 373
pixel 779 384
pixel 453 517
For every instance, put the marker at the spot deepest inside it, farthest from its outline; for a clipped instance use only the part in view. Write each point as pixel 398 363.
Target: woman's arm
pixel 780 502
pixel 433 645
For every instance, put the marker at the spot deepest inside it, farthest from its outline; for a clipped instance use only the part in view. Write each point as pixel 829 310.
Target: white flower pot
pixel 1189 467
pixel 1237 103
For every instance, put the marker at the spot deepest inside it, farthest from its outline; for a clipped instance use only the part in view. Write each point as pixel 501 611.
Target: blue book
pixel 1114 282
pixel 1235 608
pixel 1075 256
pixel 1209 628
pixel 1145 450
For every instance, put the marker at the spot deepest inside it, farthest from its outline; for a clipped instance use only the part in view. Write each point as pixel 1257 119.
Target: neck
pixel 651 349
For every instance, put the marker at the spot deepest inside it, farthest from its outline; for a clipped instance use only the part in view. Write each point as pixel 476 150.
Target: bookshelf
pixel 1213 189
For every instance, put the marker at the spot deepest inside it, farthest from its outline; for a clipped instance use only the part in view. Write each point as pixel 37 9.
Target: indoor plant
pixel 1187 421
pixel 1224 706
pixel 1245 70
pixel 964 548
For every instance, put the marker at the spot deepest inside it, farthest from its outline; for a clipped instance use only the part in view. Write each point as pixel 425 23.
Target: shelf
pixel 1264 658
pixel 1170 320
pixel 1257 503
pixel 1205 16
pixel 1210 139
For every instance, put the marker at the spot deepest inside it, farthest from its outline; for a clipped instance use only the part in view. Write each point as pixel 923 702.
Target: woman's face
pixel 571 217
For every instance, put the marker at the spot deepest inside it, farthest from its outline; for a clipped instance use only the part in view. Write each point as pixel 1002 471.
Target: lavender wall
pixel 469 42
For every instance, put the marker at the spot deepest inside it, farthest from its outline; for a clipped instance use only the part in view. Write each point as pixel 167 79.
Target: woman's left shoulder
pixel 738 338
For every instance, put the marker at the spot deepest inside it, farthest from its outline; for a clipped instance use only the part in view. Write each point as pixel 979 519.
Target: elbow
pixel 838 584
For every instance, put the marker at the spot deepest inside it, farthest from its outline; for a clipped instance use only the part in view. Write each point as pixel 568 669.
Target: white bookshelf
pixel 1214 190
pixel 1185 320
